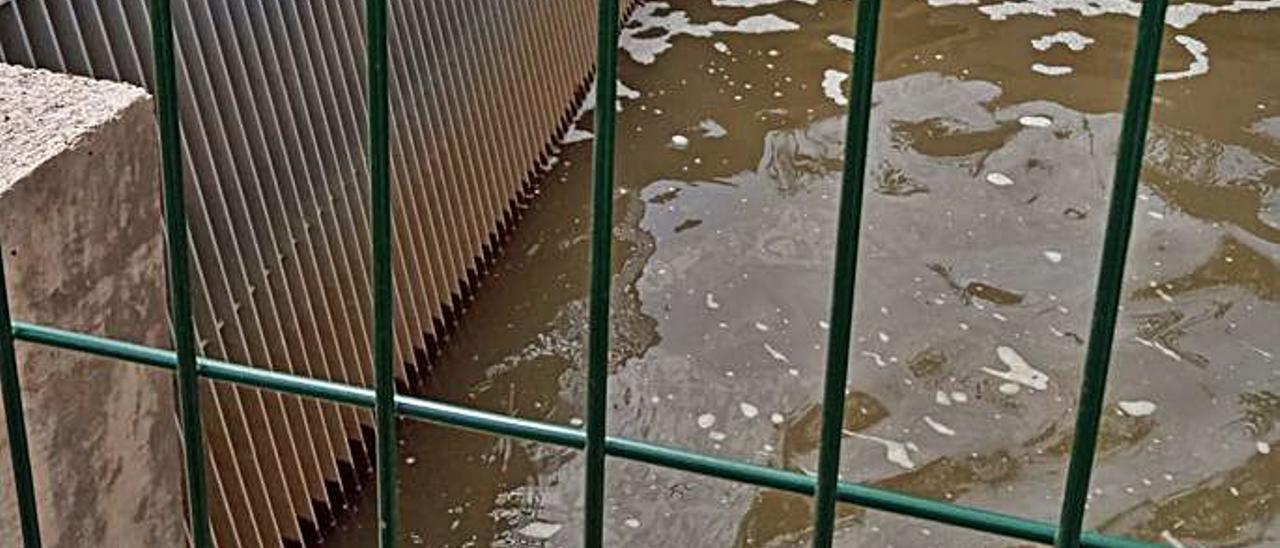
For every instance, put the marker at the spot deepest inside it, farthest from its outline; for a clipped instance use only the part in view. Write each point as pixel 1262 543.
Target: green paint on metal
pixel 380 181
pixel 601 242
pixel 848 228
pixel 639 451
pixel 19 455
pixel 1115 246
pixel 175 222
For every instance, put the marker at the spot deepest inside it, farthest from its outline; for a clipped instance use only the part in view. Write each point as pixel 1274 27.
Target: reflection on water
pixel 987 190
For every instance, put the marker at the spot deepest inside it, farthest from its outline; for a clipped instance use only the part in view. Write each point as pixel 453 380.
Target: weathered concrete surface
pixel 80 223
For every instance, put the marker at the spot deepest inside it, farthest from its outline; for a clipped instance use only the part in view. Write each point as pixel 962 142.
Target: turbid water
pixel 995 128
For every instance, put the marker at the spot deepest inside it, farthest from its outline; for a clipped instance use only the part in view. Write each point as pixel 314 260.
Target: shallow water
pixel 980 243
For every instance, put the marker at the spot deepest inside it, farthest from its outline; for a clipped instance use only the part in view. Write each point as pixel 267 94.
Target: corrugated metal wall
pixel 273 113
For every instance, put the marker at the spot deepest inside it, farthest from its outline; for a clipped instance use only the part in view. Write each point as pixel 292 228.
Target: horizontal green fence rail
pixel 530 430
pixel 388 405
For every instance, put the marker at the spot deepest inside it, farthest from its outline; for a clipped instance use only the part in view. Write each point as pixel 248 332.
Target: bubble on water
pixel 938 427
pixel 749 411
pixel 716 435
pixel 721 47
pixel 632 523
pixel 1009 388
pixel 999 179
pixel 761 326
pixel 575 421
pixel 1264 447
pixel 884 337
pixel 1053 256
pixel 823 325
pixel 959 397
pixel 706 420
pixel 777 418
pixel 712 303
pixel 679 142
pixel 1137 408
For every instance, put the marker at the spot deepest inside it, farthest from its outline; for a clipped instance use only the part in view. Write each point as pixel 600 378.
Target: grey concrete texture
pixel 80 224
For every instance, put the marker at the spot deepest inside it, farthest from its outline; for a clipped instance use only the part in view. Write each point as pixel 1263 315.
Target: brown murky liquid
pixel 980 245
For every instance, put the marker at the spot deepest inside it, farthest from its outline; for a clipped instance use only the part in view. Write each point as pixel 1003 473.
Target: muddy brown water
pixel 989 171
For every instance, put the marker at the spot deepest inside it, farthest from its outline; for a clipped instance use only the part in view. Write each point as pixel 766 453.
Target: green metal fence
pixel 388 405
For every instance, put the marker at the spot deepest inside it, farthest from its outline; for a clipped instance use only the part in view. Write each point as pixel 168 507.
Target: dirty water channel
pixel 995 128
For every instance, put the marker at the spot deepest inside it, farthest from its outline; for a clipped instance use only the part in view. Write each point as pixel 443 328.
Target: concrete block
pixel 81 231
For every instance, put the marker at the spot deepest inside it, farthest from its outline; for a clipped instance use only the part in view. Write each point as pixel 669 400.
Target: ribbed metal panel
pixel 273 111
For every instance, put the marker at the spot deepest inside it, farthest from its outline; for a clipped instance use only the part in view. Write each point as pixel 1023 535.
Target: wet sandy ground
pixel 995 131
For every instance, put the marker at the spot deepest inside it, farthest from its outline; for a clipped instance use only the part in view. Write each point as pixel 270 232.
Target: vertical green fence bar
pixel 601 241
pixel 1106 303
pixel 175 221
pixel 23 488
pixel 379 179
pixel 848 228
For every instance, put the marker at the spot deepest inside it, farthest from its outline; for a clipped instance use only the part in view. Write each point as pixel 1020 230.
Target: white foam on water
pixel 1009 388
pixel 959 397
pixel 1137 408
pixel 938 427
pixel 777 418
pixel 712 129
pixel 711 301
pixel 632 523
pixel 1179 16
pixel 999 179
pixel 1263 447
pixel 755 3
pixel 1051 70
pixel 894 451
pixel 679 142
pixel 832 81
pixel 761 327
pixel 1070 38
pixel 589 102
pixel 842 42
pixel 540 530
pixel 823 325
pixel 749 411
pixel 874 356
pixel 884 337
pixel 1019 372
pixel 775 354
pixel 706 420
pixel 717 435
pixel 945 3
pixel 1035 121
pixel 575 134
pixel 645 50
pixel 941 398
pixel 721 47
pixel 1054 257
pixel 1199 59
